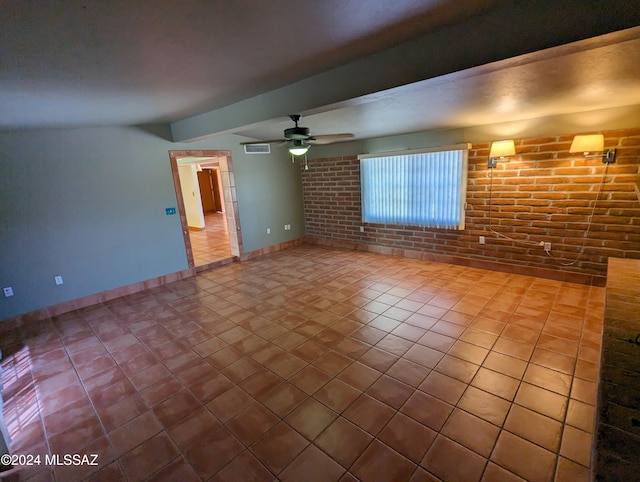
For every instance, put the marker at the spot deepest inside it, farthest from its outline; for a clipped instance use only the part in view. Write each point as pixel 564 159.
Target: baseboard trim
pixel 272 249
pixel 558 275
pixel 90 300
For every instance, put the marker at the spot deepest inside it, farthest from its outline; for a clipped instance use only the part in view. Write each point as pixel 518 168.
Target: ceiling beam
pixel 508 30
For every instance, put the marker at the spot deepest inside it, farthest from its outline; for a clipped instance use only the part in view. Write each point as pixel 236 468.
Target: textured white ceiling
pixel 79 63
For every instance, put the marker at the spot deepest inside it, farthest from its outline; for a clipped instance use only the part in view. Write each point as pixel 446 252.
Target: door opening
pixel 211 231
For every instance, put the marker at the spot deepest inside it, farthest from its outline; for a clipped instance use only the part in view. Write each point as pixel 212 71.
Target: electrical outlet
pixel 8 291
pixel 268 230
pixel 58 280
pixel 481 240
pixel 547 247
pixel 362 229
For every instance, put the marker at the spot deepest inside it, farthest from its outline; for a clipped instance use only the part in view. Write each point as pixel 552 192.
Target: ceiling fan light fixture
pixel 299 148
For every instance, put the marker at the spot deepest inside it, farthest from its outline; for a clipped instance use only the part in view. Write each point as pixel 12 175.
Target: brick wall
pixel 544 193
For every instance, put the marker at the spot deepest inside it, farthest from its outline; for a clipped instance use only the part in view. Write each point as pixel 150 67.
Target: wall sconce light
pixel 588 144
pixel 299 147
pixel 500 150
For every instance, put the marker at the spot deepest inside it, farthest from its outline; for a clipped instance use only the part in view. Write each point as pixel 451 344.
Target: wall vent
pixel 257 148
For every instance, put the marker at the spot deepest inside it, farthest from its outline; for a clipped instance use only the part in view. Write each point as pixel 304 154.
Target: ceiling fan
pixel 301 139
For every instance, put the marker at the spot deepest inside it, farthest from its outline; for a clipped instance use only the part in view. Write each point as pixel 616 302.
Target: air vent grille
pixel 257 149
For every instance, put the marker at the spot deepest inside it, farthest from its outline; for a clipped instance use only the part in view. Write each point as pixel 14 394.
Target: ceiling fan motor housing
pixel 297 133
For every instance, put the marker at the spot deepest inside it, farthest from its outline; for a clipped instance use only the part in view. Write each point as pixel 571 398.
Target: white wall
pixel 191 196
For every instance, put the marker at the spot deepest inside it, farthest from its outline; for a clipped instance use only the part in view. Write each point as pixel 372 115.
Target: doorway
pixel 208 212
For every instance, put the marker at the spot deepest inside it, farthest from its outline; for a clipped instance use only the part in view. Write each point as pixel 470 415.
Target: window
pixel 424 187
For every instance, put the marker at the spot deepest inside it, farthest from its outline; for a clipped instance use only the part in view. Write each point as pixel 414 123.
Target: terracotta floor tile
pixel 576 445
pixel 332 362
pixel 312 465
pixel 378 359
pixel 548 379
pixel 449 329
pixel 187 431
pixel 457 368
pixel 135 432
pixel 408 437
pixel 260 382
pixel 310 379
pixel 569 471
pixel 71 441
pixel 121 412
pixel 352 348
pixel 390 391
pixel 224 357
pixel 443 387
pixel 485 405
pixel 105 455
pixel 468 352
pixel 244 467
pixel 278 447
pixel 369 414
pixel 479 338
pixel 581 415
pixel 420 320
pixel 250 424
pixel 343 441
pixel 379 462
pixel 542 401
pixel 495 472
pixel 505 364
pixel 179 469
pixel 451 461
pixel 241 369
pixel 282 399
pixel 585 391
pixel 229 404
pixel 336 395
pixel 513 348
pixel 382 322
pixel 149 457
pixel 558 345
pixel 496 383
pixel 523 458
pixel 471 431
pixel 219 442
pixel 521 334
pixel 427 410
pixel 176 408
pixel 408 372
pixel 311 418
pixel 63 419
pixel 534 427
pixel 423 355
pixel 437 341
pixel 427 356
pixel 494 327
pixel 359 376
pixel 109 473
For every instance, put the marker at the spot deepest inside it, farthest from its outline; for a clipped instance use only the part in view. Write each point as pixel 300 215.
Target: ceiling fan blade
pixel 329 138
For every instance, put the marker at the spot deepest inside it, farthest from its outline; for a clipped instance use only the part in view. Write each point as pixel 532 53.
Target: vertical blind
pixel 415 188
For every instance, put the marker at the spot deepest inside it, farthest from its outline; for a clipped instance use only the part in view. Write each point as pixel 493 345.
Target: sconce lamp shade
pixel 588 143
pixel 502 149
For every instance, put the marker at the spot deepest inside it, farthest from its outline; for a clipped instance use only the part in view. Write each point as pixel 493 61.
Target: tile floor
pixel 212 243
pixel 314 364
